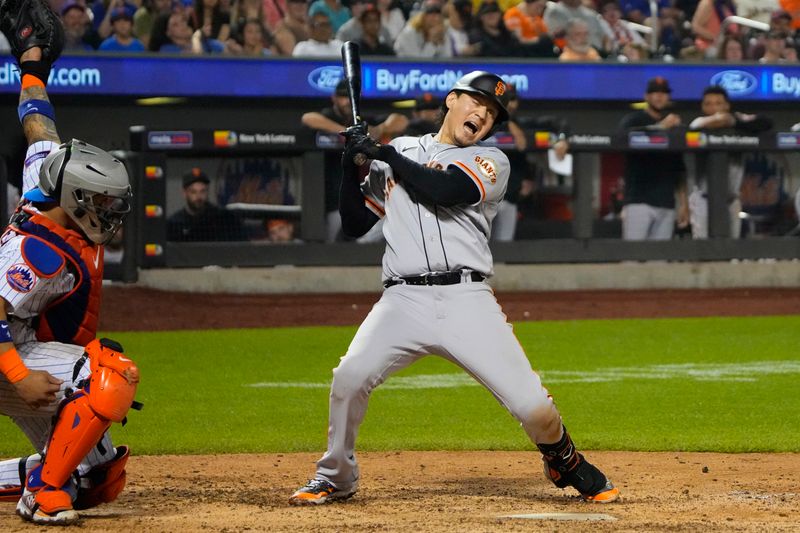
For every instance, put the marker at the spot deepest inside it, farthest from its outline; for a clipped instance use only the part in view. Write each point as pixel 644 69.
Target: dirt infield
pixel 444 491
pixel 139 309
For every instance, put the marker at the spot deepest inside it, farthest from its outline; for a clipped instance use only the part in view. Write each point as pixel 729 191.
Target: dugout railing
pixel 153 150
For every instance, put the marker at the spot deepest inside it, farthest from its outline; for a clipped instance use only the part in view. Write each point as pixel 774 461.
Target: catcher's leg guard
pixel 88 413
pixel 102 484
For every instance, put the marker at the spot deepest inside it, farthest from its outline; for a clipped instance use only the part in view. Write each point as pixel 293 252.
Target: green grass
pixel 196 401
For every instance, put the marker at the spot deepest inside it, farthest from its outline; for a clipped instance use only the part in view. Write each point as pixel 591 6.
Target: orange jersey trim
pixel 472 175
pixel 374 207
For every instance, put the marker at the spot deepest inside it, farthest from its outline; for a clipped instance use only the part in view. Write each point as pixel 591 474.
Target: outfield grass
pixel 729 384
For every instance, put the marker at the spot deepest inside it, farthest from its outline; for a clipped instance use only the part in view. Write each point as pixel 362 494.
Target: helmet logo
pixel 500 89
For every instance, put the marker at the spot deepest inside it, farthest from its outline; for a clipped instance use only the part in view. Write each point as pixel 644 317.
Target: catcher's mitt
pixel 29 23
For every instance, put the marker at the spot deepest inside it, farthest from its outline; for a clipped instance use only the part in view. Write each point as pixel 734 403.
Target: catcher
pixel 59 384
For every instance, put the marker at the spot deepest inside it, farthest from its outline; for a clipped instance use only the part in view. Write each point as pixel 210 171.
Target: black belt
pixel 441 278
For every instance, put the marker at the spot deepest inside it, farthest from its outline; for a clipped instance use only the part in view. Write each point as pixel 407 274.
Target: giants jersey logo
pixel 487 167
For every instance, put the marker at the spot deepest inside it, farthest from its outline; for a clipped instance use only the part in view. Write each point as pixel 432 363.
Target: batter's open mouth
pixel 471 126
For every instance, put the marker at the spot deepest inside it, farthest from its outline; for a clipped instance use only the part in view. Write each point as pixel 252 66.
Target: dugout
pixel 202 101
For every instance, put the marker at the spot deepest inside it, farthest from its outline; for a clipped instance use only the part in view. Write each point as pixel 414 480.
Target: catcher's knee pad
pixel 102 484
pixel 89 412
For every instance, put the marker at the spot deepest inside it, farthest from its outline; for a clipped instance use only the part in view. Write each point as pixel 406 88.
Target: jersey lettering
pixel 487 167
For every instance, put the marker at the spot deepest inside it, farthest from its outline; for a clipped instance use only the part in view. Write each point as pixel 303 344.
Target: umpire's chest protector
pixel 71 318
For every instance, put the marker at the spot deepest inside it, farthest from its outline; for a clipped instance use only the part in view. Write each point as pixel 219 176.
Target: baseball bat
pixel 351 62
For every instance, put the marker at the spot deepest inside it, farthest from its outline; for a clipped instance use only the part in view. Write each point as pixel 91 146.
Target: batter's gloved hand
pixel 364 144
pixel 30 23
pixel 356 129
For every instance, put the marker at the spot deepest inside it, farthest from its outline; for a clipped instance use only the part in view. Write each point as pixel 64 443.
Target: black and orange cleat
pixel 586 478
pixel 318 491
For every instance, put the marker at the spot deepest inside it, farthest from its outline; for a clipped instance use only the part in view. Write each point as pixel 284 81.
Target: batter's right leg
pixel 391 338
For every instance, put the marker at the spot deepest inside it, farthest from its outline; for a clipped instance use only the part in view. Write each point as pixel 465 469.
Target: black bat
pixel 351 63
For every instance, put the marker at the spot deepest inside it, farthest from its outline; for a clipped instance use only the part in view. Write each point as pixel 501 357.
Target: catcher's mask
pixel 89 184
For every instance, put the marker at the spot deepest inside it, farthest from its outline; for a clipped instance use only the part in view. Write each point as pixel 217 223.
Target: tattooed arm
pixel 36 127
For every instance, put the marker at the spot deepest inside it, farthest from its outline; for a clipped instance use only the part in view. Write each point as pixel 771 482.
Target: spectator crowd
pixel 570 30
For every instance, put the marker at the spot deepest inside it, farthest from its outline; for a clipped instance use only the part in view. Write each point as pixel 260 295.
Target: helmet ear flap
pixel 60 179
pixel 51 175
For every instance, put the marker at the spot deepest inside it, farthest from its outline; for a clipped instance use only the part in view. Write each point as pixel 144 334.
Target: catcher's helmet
pixel 489 85
pixel 89 184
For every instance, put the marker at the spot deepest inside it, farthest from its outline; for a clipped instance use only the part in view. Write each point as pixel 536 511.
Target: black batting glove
pixel 356 129
pixel 364 144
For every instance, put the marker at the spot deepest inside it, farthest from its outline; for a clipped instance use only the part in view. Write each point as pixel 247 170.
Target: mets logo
pixel 20 278
pixel 500 89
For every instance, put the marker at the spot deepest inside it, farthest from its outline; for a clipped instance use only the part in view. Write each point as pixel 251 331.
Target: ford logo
pixel 325 78
pixel 736 82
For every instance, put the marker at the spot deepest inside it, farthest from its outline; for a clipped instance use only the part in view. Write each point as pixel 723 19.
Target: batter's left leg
pixel 477 337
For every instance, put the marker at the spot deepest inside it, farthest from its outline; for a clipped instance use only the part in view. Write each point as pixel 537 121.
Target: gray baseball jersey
pixel 423 238
pixel 25 295
pixel 461 322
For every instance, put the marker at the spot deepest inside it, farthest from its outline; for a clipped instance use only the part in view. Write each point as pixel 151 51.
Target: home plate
pixel 563 516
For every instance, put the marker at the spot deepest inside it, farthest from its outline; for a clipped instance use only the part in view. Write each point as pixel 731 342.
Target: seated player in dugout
pixel 199 220
pixel 437 195
pixel 58 383
pixel 335 119
pixel 717 115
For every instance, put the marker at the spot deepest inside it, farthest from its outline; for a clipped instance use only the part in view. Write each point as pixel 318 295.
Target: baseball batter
pixel 437 195
pixel 59 384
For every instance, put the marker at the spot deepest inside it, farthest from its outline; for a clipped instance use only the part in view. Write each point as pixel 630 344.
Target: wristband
pixel 38 69
pixel 38 107
pixel 5 332
pixel 29 80
pixel 12 366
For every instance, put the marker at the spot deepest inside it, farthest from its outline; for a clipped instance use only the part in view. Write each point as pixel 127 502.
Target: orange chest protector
pixel 72 318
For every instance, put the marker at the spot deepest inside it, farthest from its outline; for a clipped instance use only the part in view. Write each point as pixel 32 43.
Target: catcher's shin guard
pixel 88 413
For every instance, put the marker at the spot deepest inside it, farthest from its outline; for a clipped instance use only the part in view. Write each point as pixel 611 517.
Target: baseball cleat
pixel 319 491
pixel 49 507
pixel 587 479
pixel 46 505
pixel 607 494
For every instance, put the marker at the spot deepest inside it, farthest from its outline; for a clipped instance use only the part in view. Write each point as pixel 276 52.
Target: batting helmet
pixel 490 85
pixel 89 184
